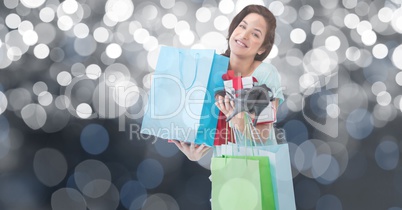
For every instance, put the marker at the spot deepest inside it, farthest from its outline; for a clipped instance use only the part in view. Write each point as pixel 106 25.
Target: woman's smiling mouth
pixel 241 43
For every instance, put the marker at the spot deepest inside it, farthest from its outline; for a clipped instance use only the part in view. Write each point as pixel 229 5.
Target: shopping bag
pixel 236 183
pixel 181 99
pixel 281 172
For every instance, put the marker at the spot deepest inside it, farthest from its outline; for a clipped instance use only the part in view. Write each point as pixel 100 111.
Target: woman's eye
pixel 256 35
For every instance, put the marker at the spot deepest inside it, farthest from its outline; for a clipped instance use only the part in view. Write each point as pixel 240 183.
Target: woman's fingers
pixel 203 148
pixel 228 106
pixel 178 144
pixel 192 147
pixel 192 151
pixel 224 104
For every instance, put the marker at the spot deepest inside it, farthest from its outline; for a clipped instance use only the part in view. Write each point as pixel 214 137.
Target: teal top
pixel 267 74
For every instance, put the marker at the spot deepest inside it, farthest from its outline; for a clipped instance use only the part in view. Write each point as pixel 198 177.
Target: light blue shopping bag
pixel 181 102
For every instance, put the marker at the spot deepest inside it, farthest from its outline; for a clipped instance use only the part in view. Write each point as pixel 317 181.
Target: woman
pixel 250 39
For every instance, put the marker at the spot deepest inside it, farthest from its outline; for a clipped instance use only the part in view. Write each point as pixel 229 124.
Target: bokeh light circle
pixel 181 26
pixel 180 8
pixel 385 14
pixel 369 37
pixel 221 23
pixel 93 71
pixel 108 200
pixel 277 8
pixel 380 51
pixel 387 155
pixel 68 198
pixel 92 178
pixel 296 131
pixel 152 43
pixel 10 4
pixel 18 98
pixel 101 34
pixel 150 173
pixel 34 116
pixel 166 149
pixel 84 110
pixel 30 37
pixel 133 194
pixel 396 55
pixel 46 14
pixel 13 20
pixel 113 50
pixel 69 6
pixel 359 123
pixel 353 53
pixel 94 139
pixel 81 30
pixel 25 26
pixel 317 27
pixel 320 164
pixel 169 20
pixel 226 6
pixel 141 35
pixel 203 14
pixel 329 202
pixel 65 23
pixel 298 35
pixel 398 78
pixel 126 94
pixel 45 98
pixel 64 78
pixel 306 12
pixel 332 43
pixel 32 3
pixel 363 26
pixel 119 10
pixel 351 20
pixel 41 51
pixel 384 98
pixel 161 202
pixel 3 102
pixel 50 166
pixel 167 4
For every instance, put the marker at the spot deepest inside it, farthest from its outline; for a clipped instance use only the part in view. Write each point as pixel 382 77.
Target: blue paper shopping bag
pixel 181 99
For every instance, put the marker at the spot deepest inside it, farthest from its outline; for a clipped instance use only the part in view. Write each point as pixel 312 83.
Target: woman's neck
pixel 242 67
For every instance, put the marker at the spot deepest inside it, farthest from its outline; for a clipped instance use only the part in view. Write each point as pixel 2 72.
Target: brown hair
pixel 271 25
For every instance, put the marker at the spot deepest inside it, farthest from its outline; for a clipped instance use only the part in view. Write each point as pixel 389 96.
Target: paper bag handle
pixel 181 60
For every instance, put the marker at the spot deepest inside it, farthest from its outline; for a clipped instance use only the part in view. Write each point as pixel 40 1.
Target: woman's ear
pixel 261 51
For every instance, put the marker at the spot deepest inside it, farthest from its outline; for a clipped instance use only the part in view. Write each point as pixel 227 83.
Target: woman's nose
pixel 245 34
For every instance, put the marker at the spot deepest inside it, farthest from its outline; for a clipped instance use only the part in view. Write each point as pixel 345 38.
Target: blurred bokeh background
pixel 69 136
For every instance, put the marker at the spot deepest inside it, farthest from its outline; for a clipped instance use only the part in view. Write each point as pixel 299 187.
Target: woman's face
pixel 247 38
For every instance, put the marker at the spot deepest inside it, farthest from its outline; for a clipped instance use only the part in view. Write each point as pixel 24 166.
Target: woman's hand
pixel 225 105
pixel 192 151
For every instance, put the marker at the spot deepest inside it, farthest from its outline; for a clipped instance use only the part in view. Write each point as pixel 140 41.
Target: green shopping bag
pixel 242 183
